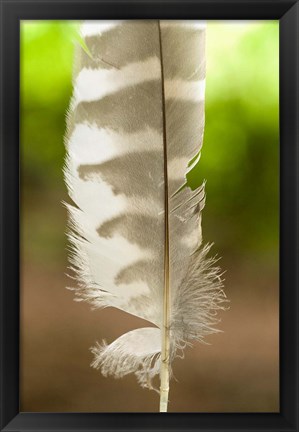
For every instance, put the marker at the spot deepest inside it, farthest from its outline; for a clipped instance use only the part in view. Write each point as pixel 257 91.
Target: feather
pixel 135 122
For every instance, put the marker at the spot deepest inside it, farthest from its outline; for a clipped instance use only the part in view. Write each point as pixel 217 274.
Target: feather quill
pixel 135 121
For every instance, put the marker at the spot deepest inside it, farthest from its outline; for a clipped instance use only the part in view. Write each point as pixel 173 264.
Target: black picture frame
pixel 287 11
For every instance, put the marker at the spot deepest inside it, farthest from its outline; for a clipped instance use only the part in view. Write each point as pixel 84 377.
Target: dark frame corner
pixel 287 11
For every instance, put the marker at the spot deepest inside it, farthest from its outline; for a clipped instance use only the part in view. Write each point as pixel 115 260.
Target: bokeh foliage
pixel 240 156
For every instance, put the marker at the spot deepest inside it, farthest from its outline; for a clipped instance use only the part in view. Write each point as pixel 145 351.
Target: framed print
pixel 149 171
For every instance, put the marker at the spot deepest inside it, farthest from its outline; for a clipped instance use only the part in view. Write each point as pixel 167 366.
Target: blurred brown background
pixel 238 371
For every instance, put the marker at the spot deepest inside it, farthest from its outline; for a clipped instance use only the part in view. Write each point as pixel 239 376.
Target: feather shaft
pixel 165 349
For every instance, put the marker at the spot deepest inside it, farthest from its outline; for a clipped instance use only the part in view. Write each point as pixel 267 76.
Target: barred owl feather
pixel 135 122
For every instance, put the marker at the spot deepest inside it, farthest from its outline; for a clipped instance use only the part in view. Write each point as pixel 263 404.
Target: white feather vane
pixel 135 121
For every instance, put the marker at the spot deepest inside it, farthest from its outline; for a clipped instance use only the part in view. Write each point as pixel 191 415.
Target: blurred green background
pixel 238 372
